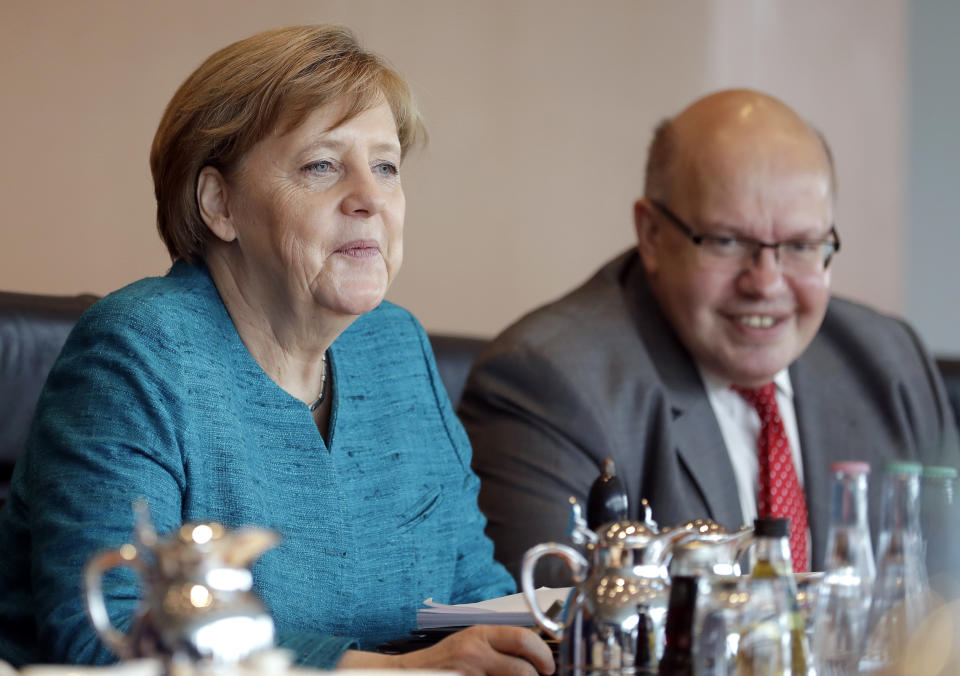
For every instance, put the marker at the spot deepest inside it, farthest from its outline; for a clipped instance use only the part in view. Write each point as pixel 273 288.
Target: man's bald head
pixel 739 171
pixel 737 119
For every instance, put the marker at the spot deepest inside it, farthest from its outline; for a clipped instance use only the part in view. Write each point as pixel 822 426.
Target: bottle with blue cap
pixel 939 520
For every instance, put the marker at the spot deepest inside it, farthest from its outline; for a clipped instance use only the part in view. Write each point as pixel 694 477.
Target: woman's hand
pixel 475 651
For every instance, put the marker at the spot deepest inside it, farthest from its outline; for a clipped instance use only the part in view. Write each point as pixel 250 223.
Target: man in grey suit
pixel 729 286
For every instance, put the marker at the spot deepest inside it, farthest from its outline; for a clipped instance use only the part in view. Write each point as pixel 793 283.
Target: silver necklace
pixel 323 387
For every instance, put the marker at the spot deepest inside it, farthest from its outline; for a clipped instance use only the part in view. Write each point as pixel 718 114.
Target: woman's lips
pixel 360 248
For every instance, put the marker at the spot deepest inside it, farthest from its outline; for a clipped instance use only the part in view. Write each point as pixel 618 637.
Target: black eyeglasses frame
pixel 758 245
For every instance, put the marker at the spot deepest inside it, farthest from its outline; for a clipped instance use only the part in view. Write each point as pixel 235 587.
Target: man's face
pixel 748 323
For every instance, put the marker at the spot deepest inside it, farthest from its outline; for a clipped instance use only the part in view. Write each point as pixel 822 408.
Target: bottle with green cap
pixel 900 590
pixel 939 520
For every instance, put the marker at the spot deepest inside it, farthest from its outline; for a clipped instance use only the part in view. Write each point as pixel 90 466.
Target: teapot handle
pixel 93 573
pixel 578 564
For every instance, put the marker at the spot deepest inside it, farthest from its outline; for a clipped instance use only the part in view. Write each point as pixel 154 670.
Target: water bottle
pixel 939 521
pixel 843 600
pixel 899 596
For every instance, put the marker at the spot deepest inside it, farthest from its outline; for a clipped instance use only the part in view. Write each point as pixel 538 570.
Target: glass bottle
pixel 775 644
pixel 939 520
pixel 678 651
pixel 843 600
pixel 898 603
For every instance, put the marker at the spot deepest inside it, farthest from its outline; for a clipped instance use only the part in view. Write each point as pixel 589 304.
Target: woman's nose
pixel 364 195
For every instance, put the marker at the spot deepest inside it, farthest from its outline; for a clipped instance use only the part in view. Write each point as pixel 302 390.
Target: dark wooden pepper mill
pixel 607 501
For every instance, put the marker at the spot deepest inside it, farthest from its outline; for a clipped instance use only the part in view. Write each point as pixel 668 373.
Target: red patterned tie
pixel 780 492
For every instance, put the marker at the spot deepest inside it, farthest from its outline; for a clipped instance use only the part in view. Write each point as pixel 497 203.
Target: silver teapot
pixel 198 605
pixel 704 547
pixel 613 619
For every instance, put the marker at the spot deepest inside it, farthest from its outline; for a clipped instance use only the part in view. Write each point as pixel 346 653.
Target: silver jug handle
pixel 743 550
pixel 578 565
pixel 93 572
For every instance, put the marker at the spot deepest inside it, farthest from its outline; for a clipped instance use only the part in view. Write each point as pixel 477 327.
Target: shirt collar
pixel 715 383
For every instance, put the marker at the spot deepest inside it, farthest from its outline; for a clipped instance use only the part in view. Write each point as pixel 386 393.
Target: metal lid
pixel 939 472
pixel 850 467
pixel 627 533
pixel 903 468
pixel 771 527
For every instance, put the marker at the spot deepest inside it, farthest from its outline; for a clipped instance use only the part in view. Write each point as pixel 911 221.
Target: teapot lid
pixel 699 527
pixel 627 533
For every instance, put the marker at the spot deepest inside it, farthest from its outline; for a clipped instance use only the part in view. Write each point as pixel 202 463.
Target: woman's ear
pixel 647 234
pixel 212 200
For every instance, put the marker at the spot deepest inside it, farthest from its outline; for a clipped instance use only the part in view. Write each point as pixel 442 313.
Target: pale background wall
pixel 539 110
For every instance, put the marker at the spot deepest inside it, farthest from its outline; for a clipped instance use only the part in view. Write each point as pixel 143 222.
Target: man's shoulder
pixel 859 326
pixel 858 343
pixel 598 308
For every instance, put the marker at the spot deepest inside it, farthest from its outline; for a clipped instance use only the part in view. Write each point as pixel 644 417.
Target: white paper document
pixel 504 610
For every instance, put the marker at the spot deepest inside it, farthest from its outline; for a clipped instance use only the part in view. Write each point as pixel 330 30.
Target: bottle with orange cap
pixel 900 592
pixel 843 599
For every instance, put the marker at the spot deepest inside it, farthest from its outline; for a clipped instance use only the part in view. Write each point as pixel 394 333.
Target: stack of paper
pixel 504 610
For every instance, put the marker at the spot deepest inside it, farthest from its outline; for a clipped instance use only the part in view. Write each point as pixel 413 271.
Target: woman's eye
pixel 386 169
pixel 319 167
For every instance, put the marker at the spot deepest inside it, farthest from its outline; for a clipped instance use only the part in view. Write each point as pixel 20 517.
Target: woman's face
pixel 318 212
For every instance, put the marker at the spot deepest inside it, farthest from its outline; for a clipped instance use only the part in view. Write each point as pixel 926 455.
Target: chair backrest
pixel 950 370
pixel 455 355
pixel 32 331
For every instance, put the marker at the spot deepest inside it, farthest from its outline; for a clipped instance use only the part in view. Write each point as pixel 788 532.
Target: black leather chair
pixel 950 370
pixel 33 328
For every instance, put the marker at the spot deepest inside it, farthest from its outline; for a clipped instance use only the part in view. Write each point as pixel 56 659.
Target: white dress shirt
pixel 740 427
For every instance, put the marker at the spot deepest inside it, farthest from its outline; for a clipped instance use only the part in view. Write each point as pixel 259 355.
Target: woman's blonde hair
pixel 242 93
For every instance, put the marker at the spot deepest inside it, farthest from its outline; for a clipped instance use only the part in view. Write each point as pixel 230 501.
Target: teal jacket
pixel 155 395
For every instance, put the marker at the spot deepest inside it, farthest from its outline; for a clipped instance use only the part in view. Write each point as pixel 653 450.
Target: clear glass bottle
pixel 776 643
pixel 900 590
pixel 843 599
pixel 939 521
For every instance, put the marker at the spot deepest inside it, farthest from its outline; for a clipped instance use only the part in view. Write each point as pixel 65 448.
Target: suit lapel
pixel 699 444
pixel 693 430
pixel 820 416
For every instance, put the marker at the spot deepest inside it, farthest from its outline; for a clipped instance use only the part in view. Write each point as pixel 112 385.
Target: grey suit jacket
pixel 600 373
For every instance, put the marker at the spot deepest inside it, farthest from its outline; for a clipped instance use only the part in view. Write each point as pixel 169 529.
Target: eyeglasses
pixel 797 256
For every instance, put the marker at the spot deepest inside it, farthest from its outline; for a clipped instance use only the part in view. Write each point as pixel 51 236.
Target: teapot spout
pixel 580 534
pixel 661 550
pixel 244 546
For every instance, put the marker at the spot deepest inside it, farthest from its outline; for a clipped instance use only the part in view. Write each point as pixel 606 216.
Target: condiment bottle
pixel 776 643
pixel 678 643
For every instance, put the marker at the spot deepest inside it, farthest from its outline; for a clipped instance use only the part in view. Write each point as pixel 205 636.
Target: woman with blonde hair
pixel 265 380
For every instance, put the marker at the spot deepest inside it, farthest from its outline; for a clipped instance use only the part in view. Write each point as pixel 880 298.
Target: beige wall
pixel 539 112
